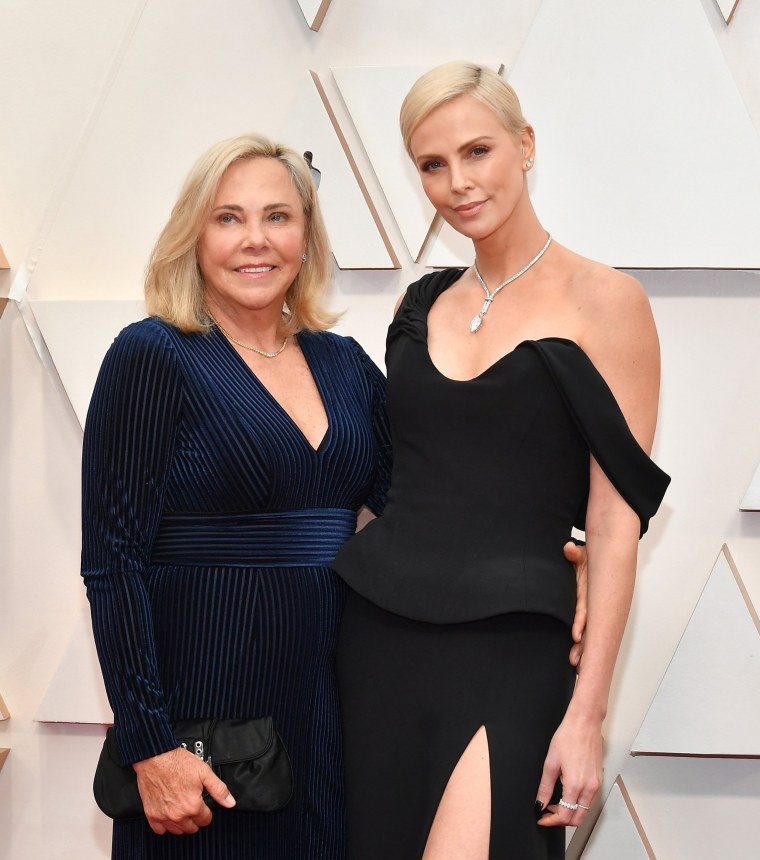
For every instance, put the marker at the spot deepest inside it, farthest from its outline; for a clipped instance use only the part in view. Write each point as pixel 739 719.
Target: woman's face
pixel 472 168
pixel 251 247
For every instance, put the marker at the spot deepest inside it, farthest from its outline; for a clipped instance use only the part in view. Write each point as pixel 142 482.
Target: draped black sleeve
pixel 601 423
pixel 129 437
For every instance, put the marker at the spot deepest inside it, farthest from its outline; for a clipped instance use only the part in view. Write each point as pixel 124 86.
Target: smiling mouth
pixel 254 270
pixel 469 208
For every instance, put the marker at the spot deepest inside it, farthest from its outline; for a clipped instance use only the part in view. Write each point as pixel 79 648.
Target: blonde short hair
pixel 446 82
pixel 174 285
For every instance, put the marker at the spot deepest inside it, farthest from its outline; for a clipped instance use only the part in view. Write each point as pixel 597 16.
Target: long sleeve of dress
pixel 381 430
pixel 128 443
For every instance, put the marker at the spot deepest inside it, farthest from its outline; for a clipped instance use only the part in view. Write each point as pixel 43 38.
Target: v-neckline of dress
pixel 313 365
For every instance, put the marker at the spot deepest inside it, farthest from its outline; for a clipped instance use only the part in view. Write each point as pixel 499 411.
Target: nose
pixel 460 181
pixel 255 235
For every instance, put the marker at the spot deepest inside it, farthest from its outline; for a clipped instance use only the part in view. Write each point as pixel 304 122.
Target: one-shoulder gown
pixel 209 527
pixel 462 600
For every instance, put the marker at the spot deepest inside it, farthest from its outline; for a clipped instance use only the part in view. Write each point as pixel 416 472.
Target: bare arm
pixel 624 349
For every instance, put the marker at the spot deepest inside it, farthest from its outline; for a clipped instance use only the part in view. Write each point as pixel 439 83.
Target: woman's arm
pixel 128 444
pixel 623 346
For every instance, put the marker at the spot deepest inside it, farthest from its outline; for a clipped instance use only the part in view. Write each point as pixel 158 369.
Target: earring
pixel 529 164
pixel 303 258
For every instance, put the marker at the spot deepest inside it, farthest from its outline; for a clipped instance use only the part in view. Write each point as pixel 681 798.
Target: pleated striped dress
pixel 209 527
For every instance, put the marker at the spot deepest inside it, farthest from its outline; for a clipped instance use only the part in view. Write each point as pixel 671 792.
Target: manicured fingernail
pixel 539 806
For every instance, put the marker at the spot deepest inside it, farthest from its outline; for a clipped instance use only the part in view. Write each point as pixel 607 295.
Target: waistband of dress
pixel 303 538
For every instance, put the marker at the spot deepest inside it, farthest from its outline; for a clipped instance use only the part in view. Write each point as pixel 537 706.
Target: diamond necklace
pixel 251 348
pixel 476 321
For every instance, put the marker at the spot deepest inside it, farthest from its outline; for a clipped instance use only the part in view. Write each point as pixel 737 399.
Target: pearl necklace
pixel 251 348
pixel 476 321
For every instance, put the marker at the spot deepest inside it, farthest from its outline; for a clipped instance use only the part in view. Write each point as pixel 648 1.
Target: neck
pixel 261 328
pixel 508 249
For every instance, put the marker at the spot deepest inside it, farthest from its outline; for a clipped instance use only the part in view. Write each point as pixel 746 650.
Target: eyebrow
pixel 235 208
pixel 481 138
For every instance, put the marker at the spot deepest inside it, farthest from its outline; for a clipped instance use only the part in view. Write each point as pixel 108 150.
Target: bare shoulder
pixel 620 338
pixel 611 292
pixel 398 302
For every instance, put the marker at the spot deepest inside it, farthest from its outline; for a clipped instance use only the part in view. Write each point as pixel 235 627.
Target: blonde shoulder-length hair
pixel 446 82
pixel 174 285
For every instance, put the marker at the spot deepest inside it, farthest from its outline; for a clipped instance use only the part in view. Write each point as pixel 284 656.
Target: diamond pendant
pixel 478 318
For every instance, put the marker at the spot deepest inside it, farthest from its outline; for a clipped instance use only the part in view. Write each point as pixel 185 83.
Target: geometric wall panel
pixel 78 335
pixel 3 756
pixel 357 236
pixel 622 136
pixel 727 8
pixel 618 834
pixel 751 500
pixel 4 264
pixel 373 96
pixel 708 701
pixel 314 11
pixel 76 694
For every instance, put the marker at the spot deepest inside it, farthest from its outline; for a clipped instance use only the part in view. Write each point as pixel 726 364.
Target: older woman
pixel 229 443
pixel 523 397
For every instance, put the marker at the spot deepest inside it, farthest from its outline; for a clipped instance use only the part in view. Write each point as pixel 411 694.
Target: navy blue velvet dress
pixel 209 527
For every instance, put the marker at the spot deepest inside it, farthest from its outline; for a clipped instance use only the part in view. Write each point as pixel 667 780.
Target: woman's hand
pixel 171 786
pixel 574 757
pixel 578 556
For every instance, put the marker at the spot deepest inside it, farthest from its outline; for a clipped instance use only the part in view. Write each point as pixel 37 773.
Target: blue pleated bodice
pixel 209 524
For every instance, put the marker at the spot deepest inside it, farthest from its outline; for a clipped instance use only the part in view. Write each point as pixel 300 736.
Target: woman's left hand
pixel 575 758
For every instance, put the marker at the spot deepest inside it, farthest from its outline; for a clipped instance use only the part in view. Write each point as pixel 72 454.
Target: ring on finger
pixel 581 806
pixel 571 806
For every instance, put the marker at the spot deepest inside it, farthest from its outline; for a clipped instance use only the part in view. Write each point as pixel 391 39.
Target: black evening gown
pixel 462 600
pixel 209 528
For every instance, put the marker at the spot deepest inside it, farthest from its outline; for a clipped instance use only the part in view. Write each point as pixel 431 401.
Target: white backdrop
pixel 104 107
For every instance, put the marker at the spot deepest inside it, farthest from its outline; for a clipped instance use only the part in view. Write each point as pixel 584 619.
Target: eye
pixel 227 218
pixel 429 166
pixel 278 217
pixel 477 151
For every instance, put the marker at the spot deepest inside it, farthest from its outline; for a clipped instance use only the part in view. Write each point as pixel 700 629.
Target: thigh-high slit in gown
pixel 462 600
pixel 210 525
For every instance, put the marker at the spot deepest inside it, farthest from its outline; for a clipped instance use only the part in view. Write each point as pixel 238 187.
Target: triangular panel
pixel 4 264
pixel 628 171
pixel 76 694
pixel 77 335
pixel 373 96
pixel 708 702
pixel 314 11
pixel 357 237
pixel 618 833
pixel 727 8
pixel 3 756
pixel 751 500
pixel 5 714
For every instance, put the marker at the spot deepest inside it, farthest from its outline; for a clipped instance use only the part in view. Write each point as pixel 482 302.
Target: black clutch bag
pixel 247 755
